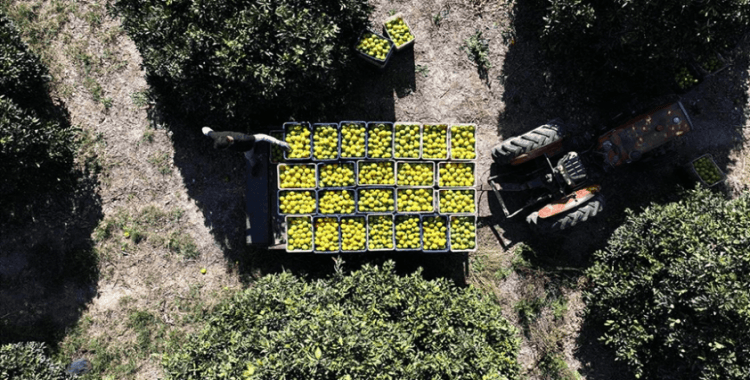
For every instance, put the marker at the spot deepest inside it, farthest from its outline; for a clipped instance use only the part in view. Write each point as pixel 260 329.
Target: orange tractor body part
pixel 570 201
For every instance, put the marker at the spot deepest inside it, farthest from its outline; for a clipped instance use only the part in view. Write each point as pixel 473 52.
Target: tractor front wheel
pixel 543 139
pixel 570 219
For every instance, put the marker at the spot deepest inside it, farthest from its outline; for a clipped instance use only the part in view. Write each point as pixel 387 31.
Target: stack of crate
pixel 358 186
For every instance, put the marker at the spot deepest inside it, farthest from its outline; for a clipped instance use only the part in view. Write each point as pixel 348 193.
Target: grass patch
pixel 133 335
pixel 520 263
pixel 141 322
pixel 94 16
pixel 161 161
pixel 553 367
pixel 94 88
pixel 107 103
pixel 152 225
pixel 111 35
pixel 183 244
pixel 192 305
pixel 85 61
pixel 478 264
pixel 90 148
pixel 38 24
pixel 529 310
pixel 559 308
pixel 503 273
pixel 140 98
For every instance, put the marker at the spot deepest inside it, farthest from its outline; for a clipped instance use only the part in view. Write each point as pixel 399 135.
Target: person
pixel 240 142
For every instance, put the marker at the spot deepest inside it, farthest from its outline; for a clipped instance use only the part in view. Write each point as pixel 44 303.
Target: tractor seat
pixel 571 169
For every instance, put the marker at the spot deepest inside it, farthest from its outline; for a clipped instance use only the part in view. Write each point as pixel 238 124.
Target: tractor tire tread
pixel 577 216
pixel 528 142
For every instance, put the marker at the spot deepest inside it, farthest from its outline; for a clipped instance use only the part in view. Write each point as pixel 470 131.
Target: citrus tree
pixel 672 289
pixel 370 324
pixel 228 60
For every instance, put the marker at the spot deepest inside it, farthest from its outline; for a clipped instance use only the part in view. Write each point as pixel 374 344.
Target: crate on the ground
pixel 435 141
pixel 327 234
pixel 369 46
pixel 376 200
pixel 353 233
pixel 399 31
pixel 337 201
pixel 415 200
pixel 376 173
pixel 704 168
pixel 457 201
pixel 297 202
pixel 415 174
pixel 325 141
pixel 328 175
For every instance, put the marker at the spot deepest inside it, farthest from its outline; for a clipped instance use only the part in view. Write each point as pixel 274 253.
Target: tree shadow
pixel 597 360
pixel 49 205
pixel 536 91
pixel 452 266
pixel 48 264
pixel 538 88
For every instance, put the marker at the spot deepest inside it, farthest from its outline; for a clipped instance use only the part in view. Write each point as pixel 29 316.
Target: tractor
pixel 543 166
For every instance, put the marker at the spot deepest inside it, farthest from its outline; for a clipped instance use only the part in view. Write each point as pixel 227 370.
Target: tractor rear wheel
pixel 534 140
pixel 570 219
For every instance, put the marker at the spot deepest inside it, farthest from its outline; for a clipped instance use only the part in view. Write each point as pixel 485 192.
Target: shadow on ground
pixel 536 91
pixel 216 179
pixel 48 263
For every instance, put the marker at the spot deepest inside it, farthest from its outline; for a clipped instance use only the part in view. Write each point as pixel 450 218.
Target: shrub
pixel 36 149
pixel 366 325
pixel 478 50
pixel 627 44
pixel 28 361
pixel 227 59
pixel 672 289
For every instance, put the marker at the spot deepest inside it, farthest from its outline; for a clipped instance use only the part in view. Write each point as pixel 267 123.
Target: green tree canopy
pixel 371 324
pixel 672 289
pixel 228 60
